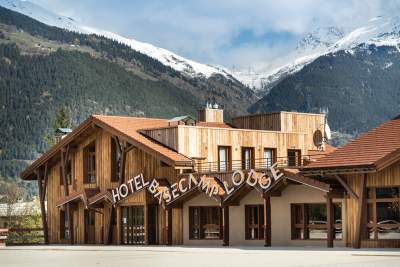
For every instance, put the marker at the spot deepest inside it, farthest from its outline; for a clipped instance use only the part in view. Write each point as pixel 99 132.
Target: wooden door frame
pixel 121 228
pixel 252 156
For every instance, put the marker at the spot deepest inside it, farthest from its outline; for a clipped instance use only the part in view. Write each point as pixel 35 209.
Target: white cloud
pixel 205 30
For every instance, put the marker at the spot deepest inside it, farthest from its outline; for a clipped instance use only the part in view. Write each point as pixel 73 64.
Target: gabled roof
pixel 130 127
pixel 83 196
pixel 125 127
pixel 376 149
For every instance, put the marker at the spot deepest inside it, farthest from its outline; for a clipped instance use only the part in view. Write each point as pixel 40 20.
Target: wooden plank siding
pixel 388 177
pixel 268 122
pixel 137 162
pixel 166 136
pixel 211 115
pixel 202 142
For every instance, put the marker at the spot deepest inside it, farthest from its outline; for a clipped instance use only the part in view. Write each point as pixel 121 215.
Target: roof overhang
pixel 80 196
pixel 91 122
pixel 338 170
pixel 28 173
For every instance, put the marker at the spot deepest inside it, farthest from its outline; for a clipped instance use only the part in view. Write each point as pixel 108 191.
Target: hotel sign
pixel 167 194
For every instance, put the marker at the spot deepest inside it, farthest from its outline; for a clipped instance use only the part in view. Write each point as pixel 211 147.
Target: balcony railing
pixel 260 163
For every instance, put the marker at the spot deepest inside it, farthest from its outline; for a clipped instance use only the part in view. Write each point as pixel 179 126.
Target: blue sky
pixel 233 33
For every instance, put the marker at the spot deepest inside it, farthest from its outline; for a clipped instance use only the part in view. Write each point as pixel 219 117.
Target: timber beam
pixel 267 220
pixel 361 213
pixel 42 179
pixel 346 187
pixel 225 213
pixel 64 159
pixel 330 221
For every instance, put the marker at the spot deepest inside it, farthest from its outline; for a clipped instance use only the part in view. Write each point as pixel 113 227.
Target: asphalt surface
pixel 86 256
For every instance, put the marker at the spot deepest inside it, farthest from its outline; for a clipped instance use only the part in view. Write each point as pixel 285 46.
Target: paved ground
pixel 87 256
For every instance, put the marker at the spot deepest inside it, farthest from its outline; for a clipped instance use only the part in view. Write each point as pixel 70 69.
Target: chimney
pixel 211 113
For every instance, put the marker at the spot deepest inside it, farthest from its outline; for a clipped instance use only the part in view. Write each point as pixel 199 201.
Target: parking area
pixel 87 256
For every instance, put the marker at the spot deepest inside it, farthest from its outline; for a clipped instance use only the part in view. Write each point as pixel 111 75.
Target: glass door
pixel 247 158
pixel 132 225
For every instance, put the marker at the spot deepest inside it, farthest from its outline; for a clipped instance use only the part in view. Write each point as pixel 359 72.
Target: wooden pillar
pixel 42 196
pixel 68 209
pixel 108 224
pixel 305 221
pixel 330 222
pixel 267 220
pixel 169 229
pixel 225 212
pixel 361 212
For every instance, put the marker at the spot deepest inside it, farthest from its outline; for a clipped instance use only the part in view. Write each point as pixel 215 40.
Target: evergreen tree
pixel 63 119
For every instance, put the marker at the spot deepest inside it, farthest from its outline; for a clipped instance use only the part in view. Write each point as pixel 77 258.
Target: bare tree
pixel 13 194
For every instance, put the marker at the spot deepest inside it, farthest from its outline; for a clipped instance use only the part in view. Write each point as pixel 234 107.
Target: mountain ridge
pixel 166 57
pixel 378 31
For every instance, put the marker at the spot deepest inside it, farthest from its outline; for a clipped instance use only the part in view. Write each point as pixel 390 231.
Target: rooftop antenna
pixel 327 129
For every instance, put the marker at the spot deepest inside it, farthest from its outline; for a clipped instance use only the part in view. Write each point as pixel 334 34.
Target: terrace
pixel 202 167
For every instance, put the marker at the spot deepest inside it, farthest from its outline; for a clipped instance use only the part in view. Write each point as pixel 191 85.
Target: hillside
pixel 43 68
pixel 360 88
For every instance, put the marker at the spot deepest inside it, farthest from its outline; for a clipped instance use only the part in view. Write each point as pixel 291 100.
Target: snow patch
pixel 166 57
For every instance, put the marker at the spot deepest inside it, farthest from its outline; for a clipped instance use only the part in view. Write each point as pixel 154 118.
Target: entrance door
pixel 152 224
pixel 132 225
pixel 90 230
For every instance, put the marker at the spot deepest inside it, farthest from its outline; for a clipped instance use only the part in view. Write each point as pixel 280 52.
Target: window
pixel 115 161
pixel 247 158
pixel 269 156
pixel 64 232
pixel 254 216
pixel 309 221
pixel 89 157
pixel 224 158
pixel 68 173
pixel 294 157
pixel 383 213
pixel 205 223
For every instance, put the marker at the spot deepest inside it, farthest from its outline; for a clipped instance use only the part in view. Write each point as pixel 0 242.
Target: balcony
pixel 258 164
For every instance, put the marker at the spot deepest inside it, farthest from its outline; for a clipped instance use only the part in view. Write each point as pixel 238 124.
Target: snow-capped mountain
pixel 378 31
pixel 166 57
pixel 321 41
pixel 308 48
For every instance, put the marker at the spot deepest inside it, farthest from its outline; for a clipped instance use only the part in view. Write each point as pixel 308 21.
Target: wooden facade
pixel 388 177
pixel 137 160
pixel 140 219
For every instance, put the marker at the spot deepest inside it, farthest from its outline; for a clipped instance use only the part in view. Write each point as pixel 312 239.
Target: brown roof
pixel 100 197
pixel 83 196
pixel 126 127
pixel 314 155
pixel 130 126
pixel 375 148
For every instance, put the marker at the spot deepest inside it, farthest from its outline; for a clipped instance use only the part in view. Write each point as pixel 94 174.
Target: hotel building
pixel 322 196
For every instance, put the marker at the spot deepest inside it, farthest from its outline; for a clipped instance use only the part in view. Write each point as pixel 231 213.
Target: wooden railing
pixel 21 236
pixel 260 163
